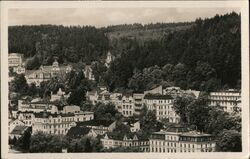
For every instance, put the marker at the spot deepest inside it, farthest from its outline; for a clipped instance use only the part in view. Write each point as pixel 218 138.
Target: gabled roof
pixel 77 131
pixel 19 130
pixel 105 123
pixel 47 114
pixel 157 96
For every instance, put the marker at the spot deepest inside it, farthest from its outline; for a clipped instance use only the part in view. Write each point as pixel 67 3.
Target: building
pixel 132 140
pixel 127 105
pixel 37 105
pixel 134 126
pixel 99 126
pixel 228 99
pixel 59 95
pixel 18 131
pixel 53 123
pixel 88 73
pixel 14 123
pixel 157 90
pixel 15 59
pixel 179 139
pixel 177 91
pixel 163 107
pixel 20 69
pixel 138 102
pixel 45 73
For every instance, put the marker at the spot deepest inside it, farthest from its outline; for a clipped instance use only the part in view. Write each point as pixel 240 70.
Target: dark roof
pixel 177 128
pixel 47 114
pixel 129 136
pixel 157 96
pixel 19 130
pixel 95 123
pixel 77 131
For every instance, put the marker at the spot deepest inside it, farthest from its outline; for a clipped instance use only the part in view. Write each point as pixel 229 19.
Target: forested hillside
pixel 202 55
pixel 207 56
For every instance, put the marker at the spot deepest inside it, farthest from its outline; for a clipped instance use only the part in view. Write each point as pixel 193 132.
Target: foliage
pixel 105 111
pixel 229 141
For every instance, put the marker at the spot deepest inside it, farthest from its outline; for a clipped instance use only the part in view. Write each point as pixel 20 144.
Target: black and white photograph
pixel 129 79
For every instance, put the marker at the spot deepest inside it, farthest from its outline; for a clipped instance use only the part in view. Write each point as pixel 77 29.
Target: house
pixel 14 123
pixel 178 139
pixel 228 99
pixel 132 140
pixel 99 126
pixel 71 109
pixel 19 131
pixel 15 59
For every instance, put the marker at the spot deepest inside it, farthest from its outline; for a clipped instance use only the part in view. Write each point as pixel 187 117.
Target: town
pixel 163 119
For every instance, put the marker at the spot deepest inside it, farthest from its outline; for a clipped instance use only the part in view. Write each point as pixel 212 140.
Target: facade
pixel 127 105
pixel 53 123
pixel 59 95
pixel 138 102
pixel 100 127
pixel 15 59
pixel 228 100
pixel 179 140
pixel 14 123
pixel 110 142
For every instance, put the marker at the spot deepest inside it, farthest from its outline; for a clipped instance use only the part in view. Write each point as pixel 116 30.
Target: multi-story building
pixel 179 139
pixel 138 102
pixel 157 90
pixel 152 100
pixel 45 73
pixel 127 105
pixel 110 141
pixel 100 127
pixel 53 123
pixel 15 59
pixel 228 99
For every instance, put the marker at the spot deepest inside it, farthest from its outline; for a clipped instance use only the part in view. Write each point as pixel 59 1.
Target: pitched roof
pixel 157 96
pixel 19 130
pixel 47 114
pixel 77 131
pixel 105 123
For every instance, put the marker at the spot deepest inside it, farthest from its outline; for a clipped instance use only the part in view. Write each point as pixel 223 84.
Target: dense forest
pixel 203 55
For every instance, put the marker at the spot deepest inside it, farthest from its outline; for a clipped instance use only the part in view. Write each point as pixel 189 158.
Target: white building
pixel 19 69
pixel 45 73
pixel 228 99
pixel 88 73
pixel 15 59
pixel 59 95
pixel 138 102
pixel 127 105
pixel 109 59
pixel 179 140
pixel 110 141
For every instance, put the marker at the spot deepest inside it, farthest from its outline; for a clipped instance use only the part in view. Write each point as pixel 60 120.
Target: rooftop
pixel 157 96
pixel 19 130
pixel 105 123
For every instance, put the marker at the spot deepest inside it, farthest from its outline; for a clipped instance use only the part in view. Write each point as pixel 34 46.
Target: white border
pixel 126 4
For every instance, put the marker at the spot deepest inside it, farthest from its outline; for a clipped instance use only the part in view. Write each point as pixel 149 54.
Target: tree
pixel 229 141
pixel 105 111
pixel 19 85
pixel 23 143
pixel 181 106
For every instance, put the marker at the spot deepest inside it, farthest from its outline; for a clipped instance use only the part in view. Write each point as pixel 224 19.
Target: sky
pixel 101 17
